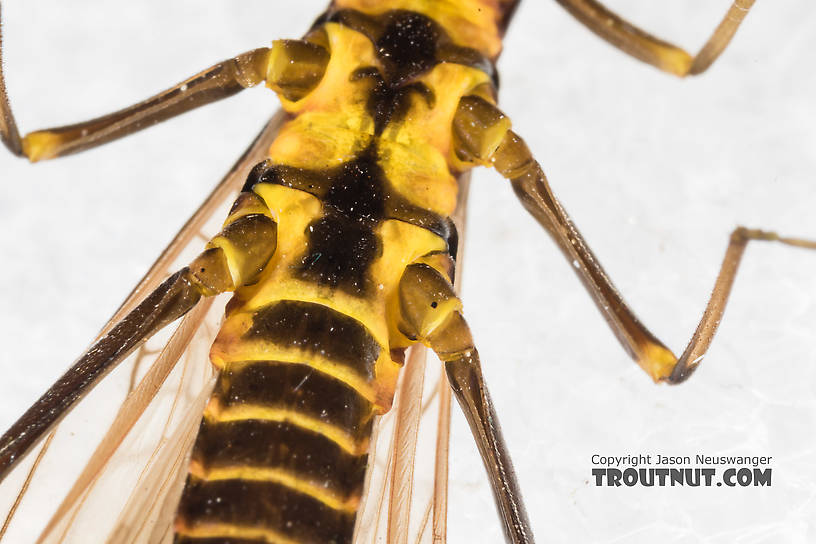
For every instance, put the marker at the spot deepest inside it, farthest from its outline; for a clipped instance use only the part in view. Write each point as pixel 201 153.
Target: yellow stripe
pixel 246 355
pixel 215 413
pixel 278 476
pixel 223 530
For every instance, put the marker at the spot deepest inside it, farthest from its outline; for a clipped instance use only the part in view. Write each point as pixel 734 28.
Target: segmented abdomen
pixel 282 450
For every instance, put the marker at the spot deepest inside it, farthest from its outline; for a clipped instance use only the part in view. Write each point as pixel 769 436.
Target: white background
pixel 655 171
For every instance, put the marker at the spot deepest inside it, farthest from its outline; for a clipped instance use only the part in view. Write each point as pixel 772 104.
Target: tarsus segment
pixel 649 49
pixel 8 127
pixel 701 340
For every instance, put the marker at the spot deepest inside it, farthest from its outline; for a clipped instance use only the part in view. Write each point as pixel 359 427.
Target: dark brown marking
pixel 265 505
pixel 319 330
pixel 408 43
pixel 357 190
pixel 340 253
pixel 319 183
pixel 342 243
pixel 390 102
pixel 296 387
pixel 281 445
pixel 357 196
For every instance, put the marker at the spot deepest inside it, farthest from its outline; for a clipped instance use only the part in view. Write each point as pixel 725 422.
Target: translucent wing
pixel 131 463
pixel 399 501
pixel 406 489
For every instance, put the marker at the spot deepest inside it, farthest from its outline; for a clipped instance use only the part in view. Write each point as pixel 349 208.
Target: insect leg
pixel 8 127
pixel 707 328
pixel 482 135
pixel 647 48
pixel 234 257
pixel 291 67
pixel 431 313
pixel 219 81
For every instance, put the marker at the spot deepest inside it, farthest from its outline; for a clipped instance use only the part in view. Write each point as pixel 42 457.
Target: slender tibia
pixel 219 81
pixel 647 48
pixel 477 140
pixel 431 314
pixel 508 153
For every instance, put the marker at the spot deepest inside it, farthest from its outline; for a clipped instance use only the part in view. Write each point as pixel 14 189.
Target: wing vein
pixel 128 414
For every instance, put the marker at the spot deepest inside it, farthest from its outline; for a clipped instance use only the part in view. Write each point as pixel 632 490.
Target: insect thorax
pixel 362 178
pixel 362 183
